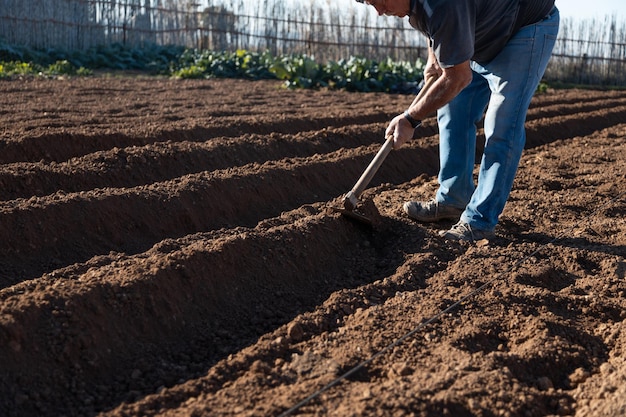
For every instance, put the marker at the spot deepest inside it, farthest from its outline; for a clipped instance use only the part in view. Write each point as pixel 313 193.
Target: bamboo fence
pixel 587 52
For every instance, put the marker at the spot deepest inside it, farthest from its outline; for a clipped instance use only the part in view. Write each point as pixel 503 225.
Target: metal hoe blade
pixel 353 214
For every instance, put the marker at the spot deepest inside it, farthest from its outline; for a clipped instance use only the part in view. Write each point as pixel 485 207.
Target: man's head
pixel 399 8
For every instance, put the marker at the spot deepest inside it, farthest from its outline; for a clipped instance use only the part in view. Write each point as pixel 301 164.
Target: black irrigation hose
pixel 437 316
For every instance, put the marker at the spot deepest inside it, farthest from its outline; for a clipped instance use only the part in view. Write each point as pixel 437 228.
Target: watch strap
pixel 414 123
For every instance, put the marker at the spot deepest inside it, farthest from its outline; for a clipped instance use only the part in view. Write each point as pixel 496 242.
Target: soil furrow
pixel 133 166
pixel 61 229
pixel 63 146
pixel 53 227
pixel 228 289
pixel 502 340
pixel 574 97
pixel 539 132
pixel 176 296
pixel 324 327
pixel 34 145
pixel 578 109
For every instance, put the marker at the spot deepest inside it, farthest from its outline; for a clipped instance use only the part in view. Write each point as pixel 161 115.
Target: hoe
pixel 351 199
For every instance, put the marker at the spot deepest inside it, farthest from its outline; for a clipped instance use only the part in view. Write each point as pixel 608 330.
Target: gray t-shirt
pixel 461 30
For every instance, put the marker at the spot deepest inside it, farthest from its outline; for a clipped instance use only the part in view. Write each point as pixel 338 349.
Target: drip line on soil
pixel 441 313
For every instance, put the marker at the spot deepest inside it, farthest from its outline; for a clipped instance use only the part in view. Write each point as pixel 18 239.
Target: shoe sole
pixel 445 234
pixel 432 219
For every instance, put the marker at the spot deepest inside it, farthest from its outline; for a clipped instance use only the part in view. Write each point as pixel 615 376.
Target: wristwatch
pixel 414 123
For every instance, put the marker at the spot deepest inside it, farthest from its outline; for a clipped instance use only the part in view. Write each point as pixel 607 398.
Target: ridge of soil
pixel 166 248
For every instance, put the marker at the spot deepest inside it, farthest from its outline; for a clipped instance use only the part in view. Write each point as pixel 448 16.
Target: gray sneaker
pixel 463 231
pixel 431 211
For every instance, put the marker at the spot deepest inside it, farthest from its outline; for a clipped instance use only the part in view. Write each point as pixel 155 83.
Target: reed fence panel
pixel 587 52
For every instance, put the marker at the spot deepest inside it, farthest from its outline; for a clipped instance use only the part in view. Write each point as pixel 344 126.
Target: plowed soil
pixel 166 249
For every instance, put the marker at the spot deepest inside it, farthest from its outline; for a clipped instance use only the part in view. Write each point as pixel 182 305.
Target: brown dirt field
pixel 166 249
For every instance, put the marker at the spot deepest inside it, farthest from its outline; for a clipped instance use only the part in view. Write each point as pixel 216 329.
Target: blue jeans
pixel 504 88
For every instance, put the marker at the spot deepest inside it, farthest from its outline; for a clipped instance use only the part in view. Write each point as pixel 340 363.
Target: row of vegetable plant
pixel 297 71
pixel 301 71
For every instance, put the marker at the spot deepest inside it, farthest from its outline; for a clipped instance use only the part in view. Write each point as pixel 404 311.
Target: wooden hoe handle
pixel 351 199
